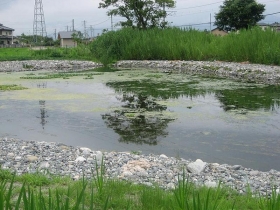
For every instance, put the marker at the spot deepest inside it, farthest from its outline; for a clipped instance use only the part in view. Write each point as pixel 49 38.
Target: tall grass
pixel 21 192
pixel 255 45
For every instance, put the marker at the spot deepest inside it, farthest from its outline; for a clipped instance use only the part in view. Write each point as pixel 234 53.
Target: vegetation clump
pixel 11 87
pixel 254 45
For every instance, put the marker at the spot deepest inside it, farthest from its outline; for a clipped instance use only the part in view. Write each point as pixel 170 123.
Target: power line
pixel 272 13
pixel 203 5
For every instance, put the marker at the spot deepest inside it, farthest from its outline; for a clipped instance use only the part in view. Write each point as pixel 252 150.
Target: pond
pixel 180 115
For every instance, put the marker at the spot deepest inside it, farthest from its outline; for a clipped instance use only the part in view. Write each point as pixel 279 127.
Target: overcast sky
pixel 19 14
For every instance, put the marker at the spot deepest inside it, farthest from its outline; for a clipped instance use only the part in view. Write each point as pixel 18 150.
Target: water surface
pixel 143 110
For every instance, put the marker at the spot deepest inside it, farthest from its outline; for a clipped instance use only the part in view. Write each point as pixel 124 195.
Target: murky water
pixel 178 115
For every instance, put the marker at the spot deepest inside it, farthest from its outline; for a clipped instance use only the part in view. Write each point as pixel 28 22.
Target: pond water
pixel 178 115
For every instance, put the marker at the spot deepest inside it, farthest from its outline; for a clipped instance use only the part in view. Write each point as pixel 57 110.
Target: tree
pixel 77 36
pixel 239 14
pixel 142 14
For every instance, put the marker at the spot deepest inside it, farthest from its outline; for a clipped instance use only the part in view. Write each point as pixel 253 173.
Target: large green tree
pixel 239 14
pixel 142 14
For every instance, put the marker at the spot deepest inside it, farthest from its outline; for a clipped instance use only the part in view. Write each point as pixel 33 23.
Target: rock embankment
pixel 32 156
pixel 237 71
pixel 34 65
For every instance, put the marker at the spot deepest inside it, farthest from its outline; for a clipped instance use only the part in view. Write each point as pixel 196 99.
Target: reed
pixel 254 45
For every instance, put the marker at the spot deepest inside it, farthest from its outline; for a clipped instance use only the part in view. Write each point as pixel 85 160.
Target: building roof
pixel 2 27
pixel 66 34
pixel 263 24
pixel 217 29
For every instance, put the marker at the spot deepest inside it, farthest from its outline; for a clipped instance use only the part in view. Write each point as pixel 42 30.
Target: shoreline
pixel 244 72
pixel 32 156
pixel 64 160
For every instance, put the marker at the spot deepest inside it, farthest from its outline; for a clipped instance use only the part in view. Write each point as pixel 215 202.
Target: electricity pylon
pixel 39 27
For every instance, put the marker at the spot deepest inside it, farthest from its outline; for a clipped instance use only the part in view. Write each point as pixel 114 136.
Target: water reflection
pixel 42 103
pixel 139 120
pixel 250 98
pixel 161 89
pixel 43 113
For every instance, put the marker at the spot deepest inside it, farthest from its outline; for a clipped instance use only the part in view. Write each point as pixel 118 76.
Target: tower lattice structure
pixel 39 26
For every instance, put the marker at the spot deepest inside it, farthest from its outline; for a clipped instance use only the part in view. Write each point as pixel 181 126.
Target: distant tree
pixel 77 36
pixel 142 14
pixel 26 39
pixel 239 14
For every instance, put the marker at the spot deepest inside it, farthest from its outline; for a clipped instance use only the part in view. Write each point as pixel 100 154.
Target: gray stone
pixel 236 167
pixel 196 167
pixel 31 158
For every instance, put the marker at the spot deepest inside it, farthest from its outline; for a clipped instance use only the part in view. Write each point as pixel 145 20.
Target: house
pixel 274 26
pixel 66 38
pixel 6 35
pixel 219 32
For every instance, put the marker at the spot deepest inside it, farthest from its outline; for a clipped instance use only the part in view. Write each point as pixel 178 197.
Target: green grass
pixel 81 52
pixel 255 46
pixel 45 191
pixel 10 54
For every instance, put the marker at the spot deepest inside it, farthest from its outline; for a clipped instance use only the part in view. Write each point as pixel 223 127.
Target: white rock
pixel 99 157
pixel 31 158
pixel 196 167
pixel 170 186
pixel 90 160
pixel 17 158
pixel 163 156
pixel 44 165
pixel 127 173
pixel 85 149
pixel 210 184
pixel 80 159
pixel 10 154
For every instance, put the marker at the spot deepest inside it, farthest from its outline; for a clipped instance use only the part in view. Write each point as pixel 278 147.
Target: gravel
pixel 238 71
pixel 60 159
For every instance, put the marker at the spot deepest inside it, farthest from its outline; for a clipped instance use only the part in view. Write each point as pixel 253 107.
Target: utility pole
pixel 73 29
pixel 91 32
pixel 54 34
pixel 39 26
pixel 210 23
pixel 85 30
pixel 164 12
pixel 112 23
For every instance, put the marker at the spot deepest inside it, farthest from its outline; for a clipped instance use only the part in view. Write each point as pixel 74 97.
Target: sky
pixel 19 15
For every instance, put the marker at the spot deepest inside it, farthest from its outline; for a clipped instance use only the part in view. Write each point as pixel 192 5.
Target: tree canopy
pixel 142 14
pixel 239 14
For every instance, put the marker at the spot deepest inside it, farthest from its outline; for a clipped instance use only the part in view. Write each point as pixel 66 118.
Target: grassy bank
pixel 38 191
pixel 256 46
pixel 79 53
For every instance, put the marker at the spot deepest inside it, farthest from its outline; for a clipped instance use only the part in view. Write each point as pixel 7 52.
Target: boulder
pixel 196 167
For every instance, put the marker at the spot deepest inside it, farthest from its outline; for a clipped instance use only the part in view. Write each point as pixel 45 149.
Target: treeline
pixel 254 45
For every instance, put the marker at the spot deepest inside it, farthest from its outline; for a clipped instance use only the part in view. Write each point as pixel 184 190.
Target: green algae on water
pixel 11 87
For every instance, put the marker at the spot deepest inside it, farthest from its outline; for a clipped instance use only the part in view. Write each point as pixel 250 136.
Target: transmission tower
pixel 39 27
